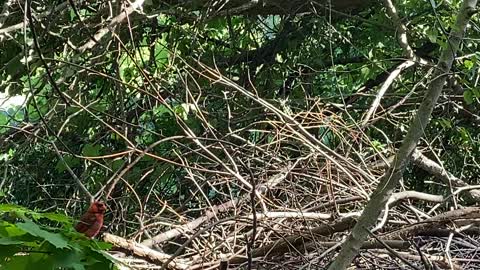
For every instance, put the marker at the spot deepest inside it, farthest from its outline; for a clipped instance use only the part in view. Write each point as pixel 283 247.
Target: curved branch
pixel 438 171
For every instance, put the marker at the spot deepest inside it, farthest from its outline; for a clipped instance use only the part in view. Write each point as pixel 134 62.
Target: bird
pixel 92 221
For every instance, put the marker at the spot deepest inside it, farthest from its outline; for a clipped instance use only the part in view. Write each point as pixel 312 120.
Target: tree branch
pixel 389 181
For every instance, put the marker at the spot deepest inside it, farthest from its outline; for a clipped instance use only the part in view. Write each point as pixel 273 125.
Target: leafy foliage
pixel 33 240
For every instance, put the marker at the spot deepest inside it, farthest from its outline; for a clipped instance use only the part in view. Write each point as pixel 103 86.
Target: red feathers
pixel 92 221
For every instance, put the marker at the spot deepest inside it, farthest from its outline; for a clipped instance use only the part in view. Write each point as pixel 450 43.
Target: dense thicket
pixel 167 110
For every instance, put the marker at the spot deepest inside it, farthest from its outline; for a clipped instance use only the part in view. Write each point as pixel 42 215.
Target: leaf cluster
pixel 35 240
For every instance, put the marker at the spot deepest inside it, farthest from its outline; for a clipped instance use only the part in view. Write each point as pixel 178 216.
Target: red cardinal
pixel 92 221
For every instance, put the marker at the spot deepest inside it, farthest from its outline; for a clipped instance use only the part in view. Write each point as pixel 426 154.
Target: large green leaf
pixel 55 239
pixel 10 241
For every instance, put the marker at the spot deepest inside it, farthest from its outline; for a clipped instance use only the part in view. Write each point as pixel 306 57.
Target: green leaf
pixel 445 123
pixel 468 64
pixel 180 111
pixel 57 217
pixel 468 96
pixel 55 239
pixel 432 35
pixel 465 135
pixel 475 92
pixel 116 164
pixel 91 150
pixel 70 160
pixel 10 241
pixel 103 245
pixel 68 259
pixel 12 208
pixel 3 118
pixel 161 51
pixel 365 71
pixel 100 259
pixel 10 230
